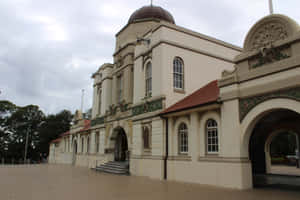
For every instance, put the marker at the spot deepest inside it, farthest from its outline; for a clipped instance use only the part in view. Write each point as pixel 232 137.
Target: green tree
pixel 53 127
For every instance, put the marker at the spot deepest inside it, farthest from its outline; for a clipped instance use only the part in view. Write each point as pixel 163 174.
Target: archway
pixel 74 152
pixel 121 145
pixel 273 124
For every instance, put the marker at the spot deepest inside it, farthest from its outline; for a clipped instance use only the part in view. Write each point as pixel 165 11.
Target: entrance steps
pixel 114 167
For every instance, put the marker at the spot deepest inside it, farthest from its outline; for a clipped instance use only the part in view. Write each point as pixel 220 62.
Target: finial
pixel 271 7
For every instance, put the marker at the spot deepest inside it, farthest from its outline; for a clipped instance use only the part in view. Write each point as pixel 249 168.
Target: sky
pixel 50 49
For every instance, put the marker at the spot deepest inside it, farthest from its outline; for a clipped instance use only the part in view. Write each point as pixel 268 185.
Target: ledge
pixel 223 159
pixel 180 158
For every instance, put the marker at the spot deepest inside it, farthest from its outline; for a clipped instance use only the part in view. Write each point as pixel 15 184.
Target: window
pixel 146 137
pixel 99 100
pixel 148 78
pixel 88 144
pixel 97 141
pixel 212 136
pixel 82 145
pixel 119 88
pixel 183 138
pixel 178 75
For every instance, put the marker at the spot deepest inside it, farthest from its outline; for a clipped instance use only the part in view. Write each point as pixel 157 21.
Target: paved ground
pixel 55 182
pixel 286 170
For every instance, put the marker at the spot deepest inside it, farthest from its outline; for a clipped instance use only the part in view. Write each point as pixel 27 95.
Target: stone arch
pixel 258 112
pixel 268 30
pixel 269 140
pixel 118 143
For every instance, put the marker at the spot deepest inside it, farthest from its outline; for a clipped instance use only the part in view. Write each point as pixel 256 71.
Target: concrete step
pixel 112 167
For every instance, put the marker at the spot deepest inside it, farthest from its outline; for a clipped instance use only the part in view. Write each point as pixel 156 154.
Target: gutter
pixel 167 151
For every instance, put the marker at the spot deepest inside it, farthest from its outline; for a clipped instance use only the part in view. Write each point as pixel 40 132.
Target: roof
pixel 87 125
pixel 65 134
pixel 151 11
pixel 56 140
pixel 205 95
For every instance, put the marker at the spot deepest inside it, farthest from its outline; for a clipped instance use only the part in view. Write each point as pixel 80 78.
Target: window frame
pixel 178 74
pixel 119 88
pixel 183 139
pixel 148 79
pixel 212 137
pixel 148 128
pixel 97 138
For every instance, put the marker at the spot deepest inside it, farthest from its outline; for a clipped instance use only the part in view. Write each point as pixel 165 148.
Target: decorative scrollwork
pixel 268 34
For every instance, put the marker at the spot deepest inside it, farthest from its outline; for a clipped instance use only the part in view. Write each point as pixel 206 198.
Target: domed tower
pixel 140 22
pixel 151 12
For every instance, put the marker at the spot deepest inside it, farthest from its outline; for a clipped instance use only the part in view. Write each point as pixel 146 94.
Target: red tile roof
pixel 205 95
pixel 87 126
pixel 65 134
pixel 56 140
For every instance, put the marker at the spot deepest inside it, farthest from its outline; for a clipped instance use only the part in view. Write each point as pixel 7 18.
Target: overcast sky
pixel 49 49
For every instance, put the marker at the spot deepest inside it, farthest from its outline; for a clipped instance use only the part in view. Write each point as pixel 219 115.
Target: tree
pixel 6 110
pixel 52 128
pixel 25 120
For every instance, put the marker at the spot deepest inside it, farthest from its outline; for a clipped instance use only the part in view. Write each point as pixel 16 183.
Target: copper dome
pixel 147 12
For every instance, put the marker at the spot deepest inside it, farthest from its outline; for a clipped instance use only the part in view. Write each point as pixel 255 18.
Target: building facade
pixel 148 109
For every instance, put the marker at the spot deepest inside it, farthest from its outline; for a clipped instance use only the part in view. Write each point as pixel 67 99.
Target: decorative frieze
pixel 148 106
pixel 269 55
pixel 247 104
pixel 97 121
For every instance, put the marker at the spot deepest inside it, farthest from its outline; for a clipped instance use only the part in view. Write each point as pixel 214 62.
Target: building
pixel 148 109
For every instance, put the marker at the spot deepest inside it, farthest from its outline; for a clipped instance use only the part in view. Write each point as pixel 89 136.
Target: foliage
pixel 16 122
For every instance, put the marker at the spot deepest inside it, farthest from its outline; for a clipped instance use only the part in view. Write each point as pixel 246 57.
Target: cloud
pixel 49 49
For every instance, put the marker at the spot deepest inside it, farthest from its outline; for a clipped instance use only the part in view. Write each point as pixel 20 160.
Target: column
pixel 193 139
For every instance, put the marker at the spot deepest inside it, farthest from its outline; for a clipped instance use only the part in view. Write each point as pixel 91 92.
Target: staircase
pixel 114 167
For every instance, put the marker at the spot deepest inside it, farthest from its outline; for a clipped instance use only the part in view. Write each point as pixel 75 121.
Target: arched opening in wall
pixel 273 148
pixel 121 145
pixel 74 152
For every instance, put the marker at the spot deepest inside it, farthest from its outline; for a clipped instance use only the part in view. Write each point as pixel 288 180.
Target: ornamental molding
pixel 247 104
pixel 267 34
pixel 270 55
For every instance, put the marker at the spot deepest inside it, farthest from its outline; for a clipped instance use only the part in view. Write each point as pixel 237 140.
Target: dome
pixel 147 12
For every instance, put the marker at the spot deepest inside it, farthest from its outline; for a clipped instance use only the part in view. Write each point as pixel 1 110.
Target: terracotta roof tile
pixel 207 94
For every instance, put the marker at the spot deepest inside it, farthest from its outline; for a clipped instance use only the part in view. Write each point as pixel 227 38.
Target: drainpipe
pixel 167 150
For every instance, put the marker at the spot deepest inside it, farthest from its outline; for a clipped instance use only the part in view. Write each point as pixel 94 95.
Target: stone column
pixel 93 143
pixel 102 141
pixel 192 136
pixel 137 139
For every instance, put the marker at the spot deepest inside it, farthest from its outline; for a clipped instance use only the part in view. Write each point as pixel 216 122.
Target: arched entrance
pixel 121 145
pixel 74 152
pixel 265 157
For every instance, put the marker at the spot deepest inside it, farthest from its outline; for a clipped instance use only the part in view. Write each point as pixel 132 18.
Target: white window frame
pixel 212 136
pixel 148 79
pixel 178 74
pixel 183 139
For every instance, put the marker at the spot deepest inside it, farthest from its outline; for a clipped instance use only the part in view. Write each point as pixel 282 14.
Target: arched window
pixel 97 141
pixel 212 136
pixel 82 145
pixel 88 144
pixel 183 139
pixel 178 73
pixel 148 79
pixel 146 137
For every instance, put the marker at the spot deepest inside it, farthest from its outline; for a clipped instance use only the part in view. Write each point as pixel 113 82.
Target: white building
pixel 148 109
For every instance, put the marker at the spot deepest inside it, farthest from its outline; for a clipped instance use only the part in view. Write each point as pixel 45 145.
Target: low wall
pixel 152 168
pixel 222 174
